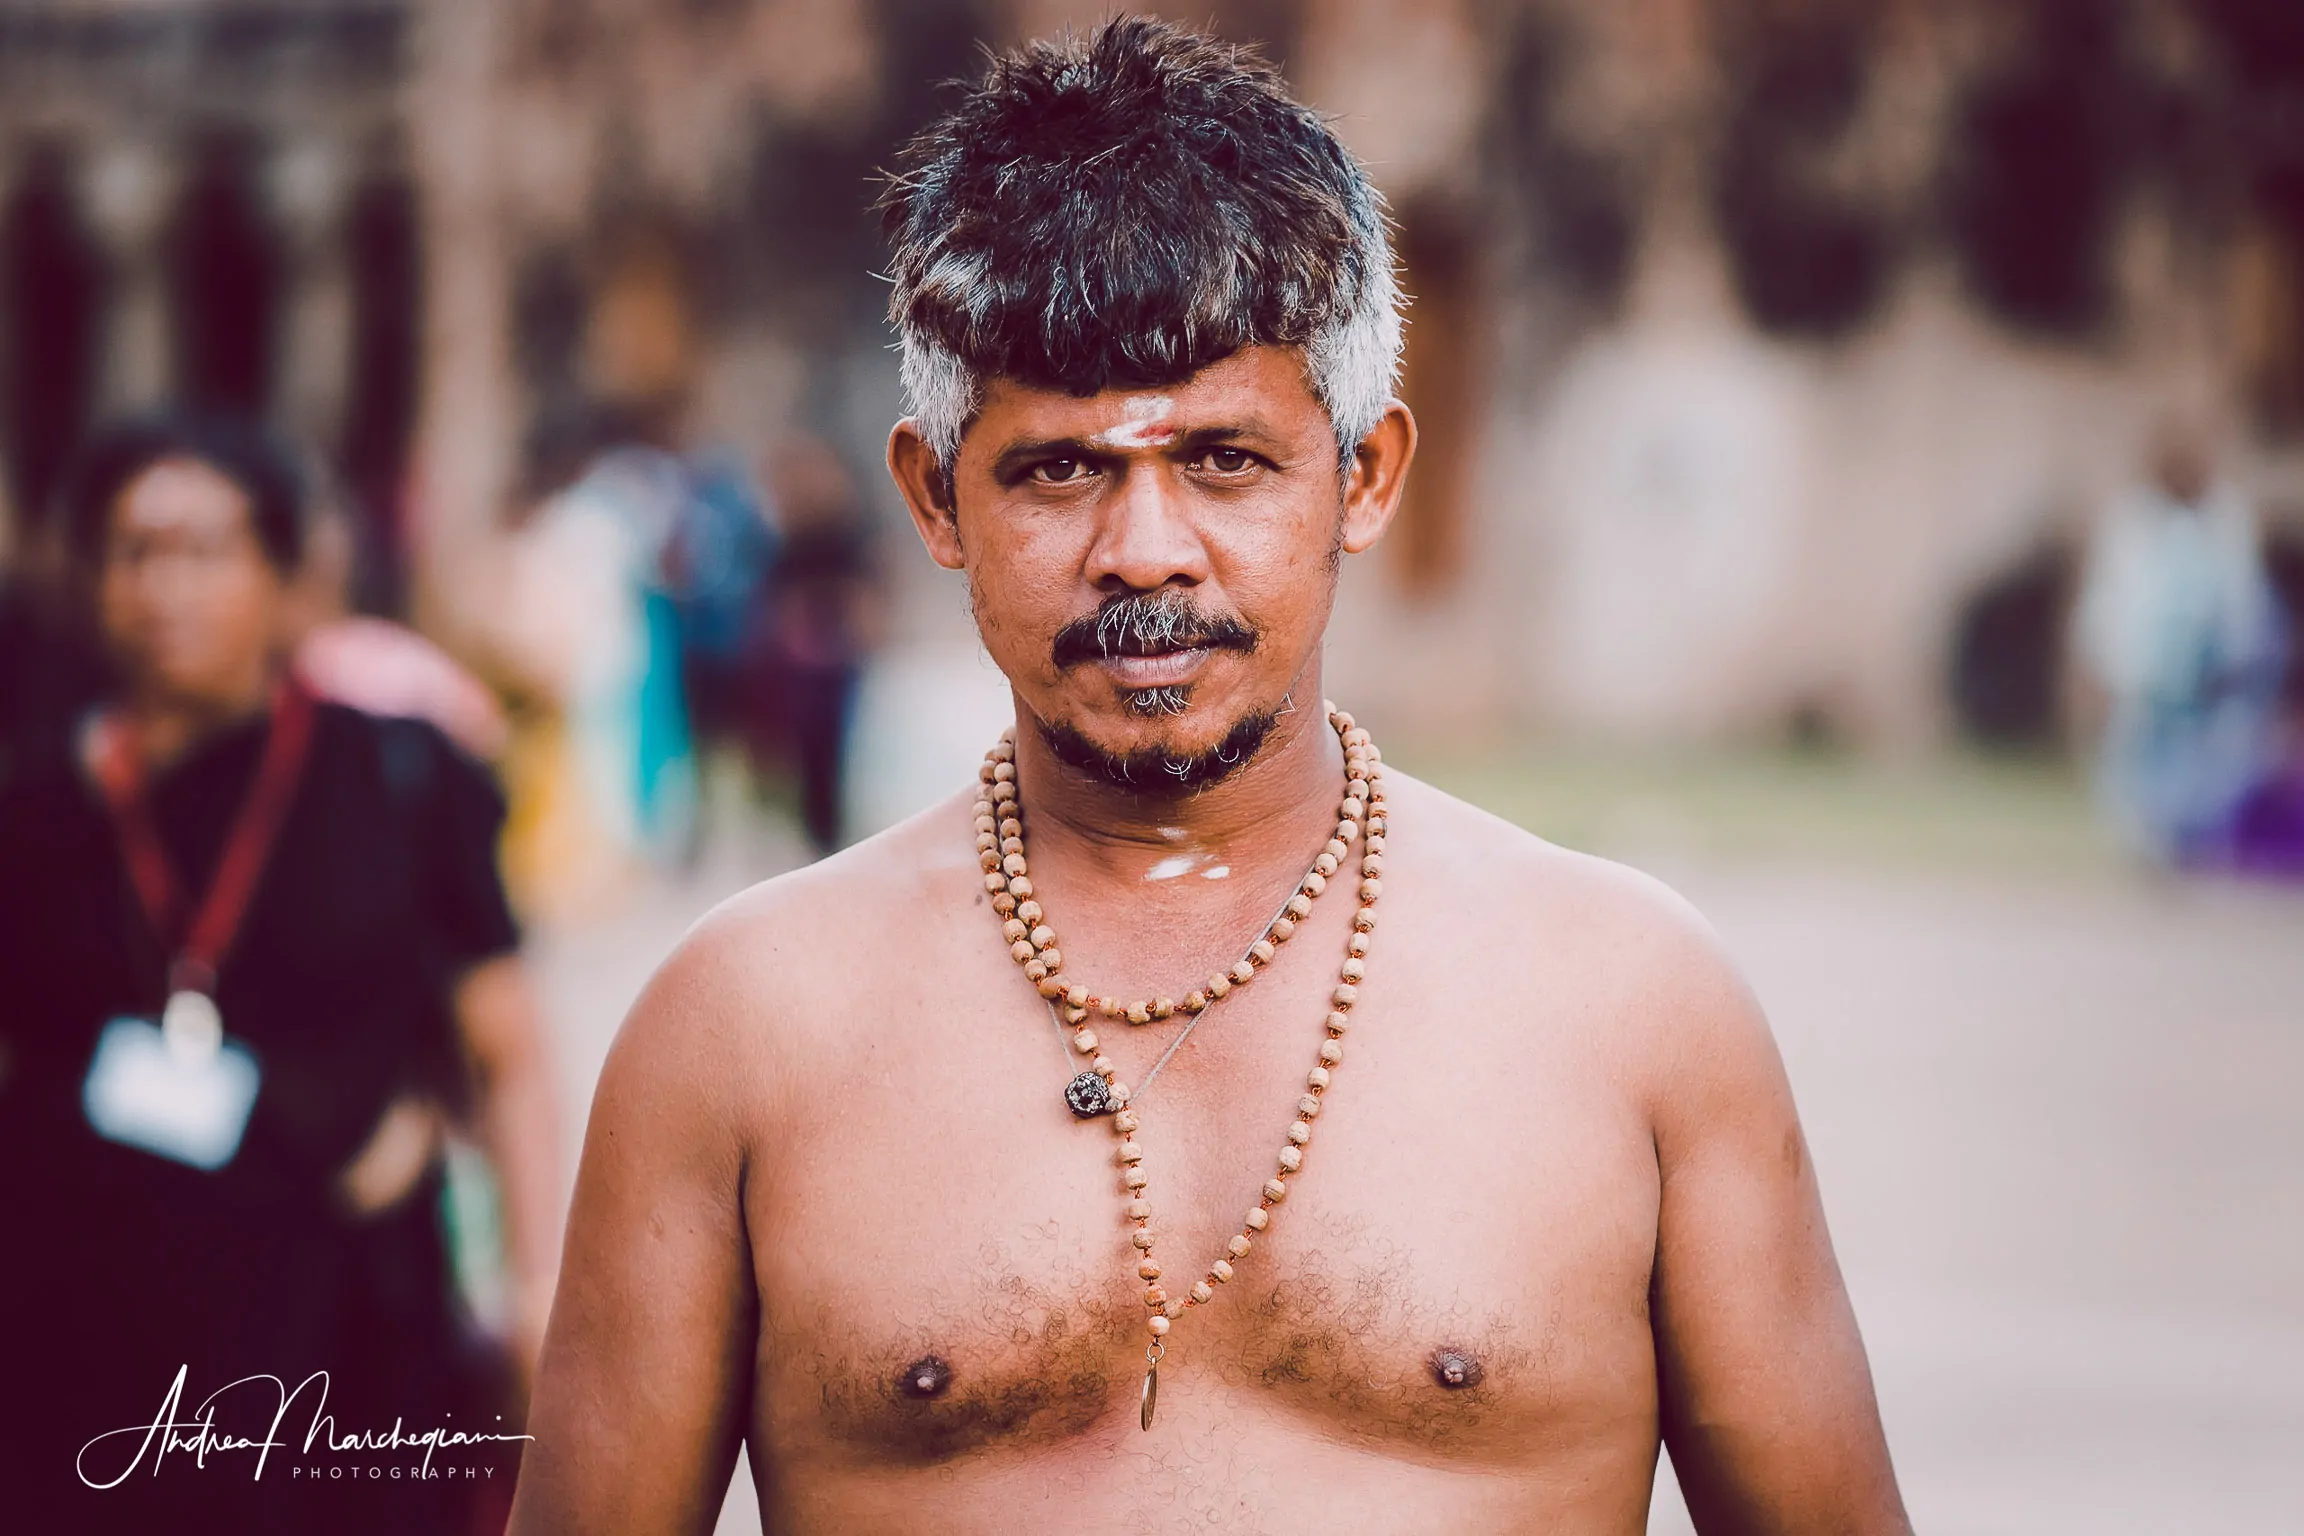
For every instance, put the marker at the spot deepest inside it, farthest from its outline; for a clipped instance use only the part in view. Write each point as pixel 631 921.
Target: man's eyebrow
pixel 1250 429
pixel 1018 455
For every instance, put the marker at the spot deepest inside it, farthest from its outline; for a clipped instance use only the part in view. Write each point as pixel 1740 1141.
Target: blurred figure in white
pixel 587 622
pixel 2179 624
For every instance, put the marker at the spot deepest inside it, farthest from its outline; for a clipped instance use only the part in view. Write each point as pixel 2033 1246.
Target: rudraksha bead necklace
pixel 1032 943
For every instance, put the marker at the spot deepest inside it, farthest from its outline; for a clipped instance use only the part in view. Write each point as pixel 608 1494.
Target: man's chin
pixel 1158 749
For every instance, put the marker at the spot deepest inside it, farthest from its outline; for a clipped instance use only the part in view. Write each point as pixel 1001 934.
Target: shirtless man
pixel 1553 1204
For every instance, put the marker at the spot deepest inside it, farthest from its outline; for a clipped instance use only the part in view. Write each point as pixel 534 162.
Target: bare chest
pixel 1460 1269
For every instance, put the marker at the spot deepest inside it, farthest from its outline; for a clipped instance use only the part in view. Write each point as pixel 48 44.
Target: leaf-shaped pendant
pixel 1151 1392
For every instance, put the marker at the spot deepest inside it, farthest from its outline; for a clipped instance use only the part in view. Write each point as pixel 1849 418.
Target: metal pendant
pixel 1154 1353
pixel 192 1025
pixel 1088 1096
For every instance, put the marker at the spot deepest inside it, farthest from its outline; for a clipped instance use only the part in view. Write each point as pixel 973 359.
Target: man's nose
pixel 169 578
pixel 1145 534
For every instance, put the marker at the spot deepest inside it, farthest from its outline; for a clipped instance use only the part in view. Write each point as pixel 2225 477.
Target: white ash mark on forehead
pixel 1143 423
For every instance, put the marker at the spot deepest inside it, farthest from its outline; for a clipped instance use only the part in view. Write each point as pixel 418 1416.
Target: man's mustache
pixel 1142 624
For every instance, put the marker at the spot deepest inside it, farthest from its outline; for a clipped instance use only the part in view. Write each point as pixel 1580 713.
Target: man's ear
pixel 1378 471
pixel 927 493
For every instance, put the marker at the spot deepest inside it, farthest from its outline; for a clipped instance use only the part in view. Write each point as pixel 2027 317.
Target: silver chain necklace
pixel 1064 1040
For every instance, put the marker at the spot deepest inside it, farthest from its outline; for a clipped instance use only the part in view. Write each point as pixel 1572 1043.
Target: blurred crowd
pixel 654 610
pixel 662 610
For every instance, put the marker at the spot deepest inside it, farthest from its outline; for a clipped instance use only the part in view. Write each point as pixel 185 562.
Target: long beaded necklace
pixel 1088 1082
pixel 1094 1092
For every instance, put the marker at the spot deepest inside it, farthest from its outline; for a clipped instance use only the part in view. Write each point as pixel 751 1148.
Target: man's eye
pixel 1228 461
pixel 1059 471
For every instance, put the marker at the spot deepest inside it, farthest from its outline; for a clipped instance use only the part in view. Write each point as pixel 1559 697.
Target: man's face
pixel 188 601
pixel 1153 568
pixel 2182 467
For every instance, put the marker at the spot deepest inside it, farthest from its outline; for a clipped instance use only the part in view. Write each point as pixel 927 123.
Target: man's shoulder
pixel 777 968
pixel 866 900
pixel 1522 874
pixel 47 804
pixel 36 768
pixel 1616 938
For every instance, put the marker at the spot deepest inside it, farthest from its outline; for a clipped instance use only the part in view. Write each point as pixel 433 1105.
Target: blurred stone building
pixel 210 204
pixel 1772 357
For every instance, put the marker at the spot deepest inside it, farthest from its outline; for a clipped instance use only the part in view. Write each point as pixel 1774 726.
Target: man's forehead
pixel 1265 385
pixel 173 492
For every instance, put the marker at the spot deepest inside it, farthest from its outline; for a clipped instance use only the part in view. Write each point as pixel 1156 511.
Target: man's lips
pixel 1162 670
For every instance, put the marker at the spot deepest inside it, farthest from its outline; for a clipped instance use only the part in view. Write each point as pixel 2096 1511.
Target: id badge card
pixel 189 1105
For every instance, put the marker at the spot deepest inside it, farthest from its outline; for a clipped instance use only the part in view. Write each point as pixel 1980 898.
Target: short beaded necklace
pixel 1032 943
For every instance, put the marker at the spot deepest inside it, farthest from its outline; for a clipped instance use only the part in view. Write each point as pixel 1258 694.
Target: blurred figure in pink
pixel 388 669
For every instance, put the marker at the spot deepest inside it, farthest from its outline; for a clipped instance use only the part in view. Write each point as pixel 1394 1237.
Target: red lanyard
pixel 200 946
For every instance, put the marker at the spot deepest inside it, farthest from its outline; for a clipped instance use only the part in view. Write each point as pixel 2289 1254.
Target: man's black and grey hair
pixel 1122 209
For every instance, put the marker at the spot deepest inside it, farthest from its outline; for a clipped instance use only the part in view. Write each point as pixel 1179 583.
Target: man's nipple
pixel 925 1377
pixel 1455 1369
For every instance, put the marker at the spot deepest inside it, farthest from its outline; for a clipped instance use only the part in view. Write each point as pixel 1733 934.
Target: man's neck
pixel 1272 812
pixel 168 724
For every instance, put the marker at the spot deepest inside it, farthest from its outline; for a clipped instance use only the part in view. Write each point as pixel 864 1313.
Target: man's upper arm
pixel 1767 1400
pixel 644 1384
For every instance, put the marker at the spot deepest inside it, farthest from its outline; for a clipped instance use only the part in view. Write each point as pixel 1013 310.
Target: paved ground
pixel 2055 1109
pixel 2061 1149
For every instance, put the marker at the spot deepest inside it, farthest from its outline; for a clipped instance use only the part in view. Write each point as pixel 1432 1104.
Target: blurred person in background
pixel 716 566
pixel 2267 836
pixel 822 616
pixel 382 667
pixel 2268 828
pixel 2179 624
pixel 49 663
pixel 48 668
pixel 588 623
pixel 256 955
pixel 379 665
